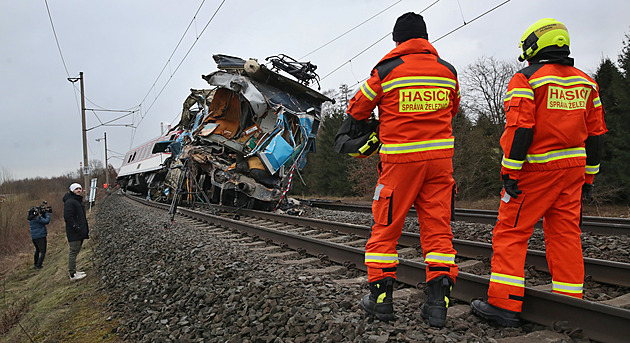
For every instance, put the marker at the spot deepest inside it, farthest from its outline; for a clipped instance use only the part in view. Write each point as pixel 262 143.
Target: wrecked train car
pixel 145 166
pixel 245 138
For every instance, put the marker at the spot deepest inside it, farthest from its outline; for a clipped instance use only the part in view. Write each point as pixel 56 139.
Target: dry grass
pixel 45 306
pixel 15 236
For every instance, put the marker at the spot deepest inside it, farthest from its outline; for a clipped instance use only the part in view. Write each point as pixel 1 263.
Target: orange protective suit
pixel 417 95
pixel 552 138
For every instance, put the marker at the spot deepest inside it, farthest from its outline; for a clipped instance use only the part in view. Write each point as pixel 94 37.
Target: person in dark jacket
pixel 38 222
pixel 76 227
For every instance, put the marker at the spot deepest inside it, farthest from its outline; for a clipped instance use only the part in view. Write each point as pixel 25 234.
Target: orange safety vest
pixel 417 95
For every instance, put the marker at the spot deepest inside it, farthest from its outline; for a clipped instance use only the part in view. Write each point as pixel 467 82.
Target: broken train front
pixel 245 139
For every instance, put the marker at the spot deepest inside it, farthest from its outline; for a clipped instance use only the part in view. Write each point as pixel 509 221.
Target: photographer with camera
pixel 76 227
pixel 38 218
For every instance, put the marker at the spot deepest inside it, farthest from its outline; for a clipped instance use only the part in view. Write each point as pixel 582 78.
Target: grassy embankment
pixel 44 305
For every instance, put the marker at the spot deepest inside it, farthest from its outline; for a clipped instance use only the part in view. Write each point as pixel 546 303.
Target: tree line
pixel 477 128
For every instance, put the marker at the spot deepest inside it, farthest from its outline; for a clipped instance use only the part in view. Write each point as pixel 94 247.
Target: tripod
pixel 186 173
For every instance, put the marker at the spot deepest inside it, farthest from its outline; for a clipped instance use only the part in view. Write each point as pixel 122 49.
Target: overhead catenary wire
pixel 366 49
pixel 63 60
pixel 445 35
pixel 168 61
pixel 352 29
pixel 142 116
pixel 466 23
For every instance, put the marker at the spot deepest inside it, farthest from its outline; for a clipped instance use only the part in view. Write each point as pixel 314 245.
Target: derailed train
pixel 238 143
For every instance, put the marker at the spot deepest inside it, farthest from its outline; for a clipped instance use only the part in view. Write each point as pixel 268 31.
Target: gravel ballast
pixel 179 282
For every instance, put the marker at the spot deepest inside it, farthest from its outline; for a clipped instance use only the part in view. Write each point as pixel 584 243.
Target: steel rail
pixel 610 272
pixel 597 321
pixel 592 224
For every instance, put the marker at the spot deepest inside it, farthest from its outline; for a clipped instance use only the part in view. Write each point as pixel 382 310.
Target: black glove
pixel 511 186
pixel 587 192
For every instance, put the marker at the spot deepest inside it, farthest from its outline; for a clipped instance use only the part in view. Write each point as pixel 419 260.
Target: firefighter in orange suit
pixel 417 95
pixel 551 144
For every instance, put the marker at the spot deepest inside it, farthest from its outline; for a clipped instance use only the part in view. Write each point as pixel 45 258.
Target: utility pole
pixel 106 164
pixel 86 176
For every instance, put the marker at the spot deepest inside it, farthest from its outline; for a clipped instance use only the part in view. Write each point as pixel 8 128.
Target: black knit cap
pixel 408 26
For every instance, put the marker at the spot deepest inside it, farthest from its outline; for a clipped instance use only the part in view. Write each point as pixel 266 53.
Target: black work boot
pixel 495 314
pixel 380 300
pixel 439 292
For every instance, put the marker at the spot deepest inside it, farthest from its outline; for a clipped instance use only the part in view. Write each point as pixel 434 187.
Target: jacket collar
pixel 411 46
pixel 552 54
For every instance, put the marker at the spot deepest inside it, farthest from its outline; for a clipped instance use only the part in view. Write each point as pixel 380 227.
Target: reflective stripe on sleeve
pixel 520 92
pixel 556 155
pixel 404 148
pixel 381 258
pixel 576 288
pixel 418 81
pixel 592 169
pixel 440 258
pixel 597 102
pixel 507 279
pixel 367 91
pixel 511 164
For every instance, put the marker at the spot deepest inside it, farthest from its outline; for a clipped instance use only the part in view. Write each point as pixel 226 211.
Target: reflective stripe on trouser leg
pixel 513 229
pixel 397 187
pixel 562 236
pixel 433 205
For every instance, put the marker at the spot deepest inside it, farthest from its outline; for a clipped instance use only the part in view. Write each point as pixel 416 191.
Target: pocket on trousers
pixel 509 212
pixel 382 205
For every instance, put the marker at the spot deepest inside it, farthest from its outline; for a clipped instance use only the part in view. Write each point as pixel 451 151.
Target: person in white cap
pixel 76 227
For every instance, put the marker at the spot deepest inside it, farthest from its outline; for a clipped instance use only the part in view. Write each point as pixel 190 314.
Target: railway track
pixel 592 224
pixel 343 244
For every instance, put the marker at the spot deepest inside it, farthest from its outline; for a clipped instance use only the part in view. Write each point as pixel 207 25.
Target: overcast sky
pixel 121 47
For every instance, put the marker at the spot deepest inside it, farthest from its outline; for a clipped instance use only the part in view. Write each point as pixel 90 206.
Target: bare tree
pixel 484 85
pixel 5 175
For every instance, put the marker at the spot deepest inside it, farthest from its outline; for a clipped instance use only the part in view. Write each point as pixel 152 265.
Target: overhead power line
pixel 168 61
pixel 477 17
pixel 142 116
pixel 352 29
pixel 56 39
pixel 445 35
pixel 366 49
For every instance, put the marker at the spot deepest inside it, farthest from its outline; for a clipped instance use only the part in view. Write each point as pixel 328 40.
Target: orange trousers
pixel 428 186
pixel 556 196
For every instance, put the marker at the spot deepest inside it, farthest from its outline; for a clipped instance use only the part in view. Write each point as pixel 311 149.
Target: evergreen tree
pixel 476 162
pixel 326 172
pixel 613 181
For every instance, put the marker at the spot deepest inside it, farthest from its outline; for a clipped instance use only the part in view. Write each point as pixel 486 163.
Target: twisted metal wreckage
pixel 240 143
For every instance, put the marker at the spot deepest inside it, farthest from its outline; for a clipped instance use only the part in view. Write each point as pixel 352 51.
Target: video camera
pixel 41 209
